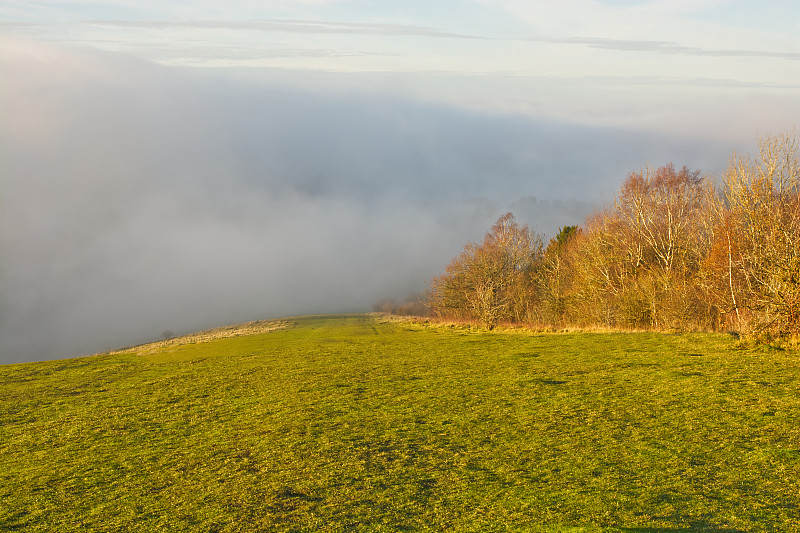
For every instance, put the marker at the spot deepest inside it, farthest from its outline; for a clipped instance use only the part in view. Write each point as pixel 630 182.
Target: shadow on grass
pixel 689 529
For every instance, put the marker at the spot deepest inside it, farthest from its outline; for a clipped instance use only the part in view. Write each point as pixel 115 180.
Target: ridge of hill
pixel 235 330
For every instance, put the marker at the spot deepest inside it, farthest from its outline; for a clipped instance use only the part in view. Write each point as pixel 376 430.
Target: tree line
pixel 676 250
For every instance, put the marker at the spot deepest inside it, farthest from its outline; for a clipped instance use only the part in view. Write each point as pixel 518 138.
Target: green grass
pixel 348 424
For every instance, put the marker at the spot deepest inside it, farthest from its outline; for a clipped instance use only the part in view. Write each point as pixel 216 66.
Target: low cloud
pixel 139 198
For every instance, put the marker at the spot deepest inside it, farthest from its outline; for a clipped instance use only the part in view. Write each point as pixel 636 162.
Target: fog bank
pixel 139 198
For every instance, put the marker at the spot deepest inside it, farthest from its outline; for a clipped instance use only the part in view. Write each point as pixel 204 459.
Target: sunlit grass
pixel 349 424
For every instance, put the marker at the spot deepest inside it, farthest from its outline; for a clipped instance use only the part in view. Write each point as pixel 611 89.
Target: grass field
pixel 346 423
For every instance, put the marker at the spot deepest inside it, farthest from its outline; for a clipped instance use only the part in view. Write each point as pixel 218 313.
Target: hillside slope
pixel 345 423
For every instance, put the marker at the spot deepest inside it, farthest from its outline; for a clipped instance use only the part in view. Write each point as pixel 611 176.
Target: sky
pixel 183 165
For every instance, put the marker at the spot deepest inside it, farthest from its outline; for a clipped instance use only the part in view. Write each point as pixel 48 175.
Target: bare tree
pixel 492 281
pixel 762 232
pixel 662 234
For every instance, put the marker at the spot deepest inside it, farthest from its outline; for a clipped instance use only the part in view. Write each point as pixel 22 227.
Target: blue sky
pixel 182 165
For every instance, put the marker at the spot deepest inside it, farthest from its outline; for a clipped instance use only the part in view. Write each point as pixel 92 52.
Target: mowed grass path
pixel 348 424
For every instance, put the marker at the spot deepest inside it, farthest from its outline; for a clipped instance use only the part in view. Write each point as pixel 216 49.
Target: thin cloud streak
pixel 663 47
pixel 660 81
pixel 328 27
pixel 289 26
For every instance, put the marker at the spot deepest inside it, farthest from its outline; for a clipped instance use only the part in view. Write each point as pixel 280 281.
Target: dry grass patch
pixel 239 330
